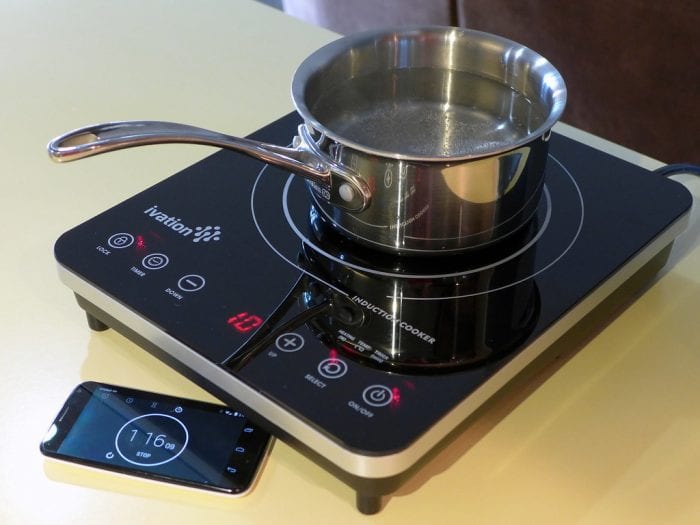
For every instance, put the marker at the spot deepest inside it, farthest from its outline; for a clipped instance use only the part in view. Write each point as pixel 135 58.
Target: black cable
pixel 677 169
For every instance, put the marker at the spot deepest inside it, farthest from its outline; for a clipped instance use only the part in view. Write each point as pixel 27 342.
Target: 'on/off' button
pixel 377 395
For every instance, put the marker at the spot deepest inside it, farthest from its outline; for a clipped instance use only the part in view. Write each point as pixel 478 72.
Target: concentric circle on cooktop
pixel 284 217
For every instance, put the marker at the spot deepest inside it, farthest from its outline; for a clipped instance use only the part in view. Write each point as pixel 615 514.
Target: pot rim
pixel 326 55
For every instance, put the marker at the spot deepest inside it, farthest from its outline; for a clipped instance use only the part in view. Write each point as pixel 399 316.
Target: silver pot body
pixel 437 208
pixel 447 127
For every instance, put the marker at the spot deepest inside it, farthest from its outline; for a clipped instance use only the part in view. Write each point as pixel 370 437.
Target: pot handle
pixel 338 184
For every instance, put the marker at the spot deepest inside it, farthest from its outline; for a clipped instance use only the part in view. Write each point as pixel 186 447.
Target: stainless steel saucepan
pixel 418 141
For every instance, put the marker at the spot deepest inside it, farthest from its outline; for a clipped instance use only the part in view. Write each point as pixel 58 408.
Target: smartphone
pixel 158 437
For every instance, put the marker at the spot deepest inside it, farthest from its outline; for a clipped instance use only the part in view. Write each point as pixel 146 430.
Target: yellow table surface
pixel 610 436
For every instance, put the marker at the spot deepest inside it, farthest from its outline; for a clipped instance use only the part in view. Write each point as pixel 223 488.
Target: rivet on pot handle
pixel 342 186
pixel 346 189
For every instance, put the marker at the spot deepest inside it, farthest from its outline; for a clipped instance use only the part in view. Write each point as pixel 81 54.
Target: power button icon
pixel 377 395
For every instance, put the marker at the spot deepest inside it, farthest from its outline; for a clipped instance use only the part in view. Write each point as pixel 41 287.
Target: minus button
pixel 191 283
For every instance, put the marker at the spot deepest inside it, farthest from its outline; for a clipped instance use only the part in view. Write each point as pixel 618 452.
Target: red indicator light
pixel 409 384
pixel 244 322
pixel 395 396
pixel 140 242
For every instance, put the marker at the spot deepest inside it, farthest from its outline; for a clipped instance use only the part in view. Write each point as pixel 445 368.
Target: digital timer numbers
pixel 157 441
pixel 151 440
pixel 244 322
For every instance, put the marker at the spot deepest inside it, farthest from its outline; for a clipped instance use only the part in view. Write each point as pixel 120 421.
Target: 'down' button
pixel 191 283
pixel 155 261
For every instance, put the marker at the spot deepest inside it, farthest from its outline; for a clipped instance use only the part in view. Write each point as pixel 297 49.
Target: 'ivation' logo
pixel 198 233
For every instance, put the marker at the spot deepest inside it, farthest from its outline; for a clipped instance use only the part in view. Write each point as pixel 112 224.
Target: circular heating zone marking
pixel 549 205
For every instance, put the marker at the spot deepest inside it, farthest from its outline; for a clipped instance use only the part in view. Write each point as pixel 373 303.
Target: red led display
pixel 244 322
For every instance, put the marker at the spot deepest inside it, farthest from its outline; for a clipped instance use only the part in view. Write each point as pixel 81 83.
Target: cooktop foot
pixel 95 324
pixel 368 504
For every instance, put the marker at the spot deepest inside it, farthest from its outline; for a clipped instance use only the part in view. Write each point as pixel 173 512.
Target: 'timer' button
pixel 155 261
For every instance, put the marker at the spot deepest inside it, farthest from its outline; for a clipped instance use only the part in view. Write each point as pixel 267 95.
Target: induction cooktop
pixel 365 362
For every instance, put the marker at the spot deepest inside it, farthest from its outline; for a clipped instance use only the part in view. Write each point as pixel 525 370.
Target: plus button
pixel 289 342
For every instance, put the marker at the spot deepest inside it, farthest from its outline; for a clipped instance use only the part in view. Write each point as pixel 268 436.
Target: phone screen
pixel 159 437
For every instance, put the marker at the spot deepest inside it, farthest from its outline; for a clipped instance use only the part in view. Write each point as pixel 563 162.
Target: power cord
pixel 677 169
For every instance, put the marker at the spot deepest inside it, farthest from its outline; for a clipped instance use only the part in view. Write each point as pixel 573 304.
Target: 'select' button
pixel 332 368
